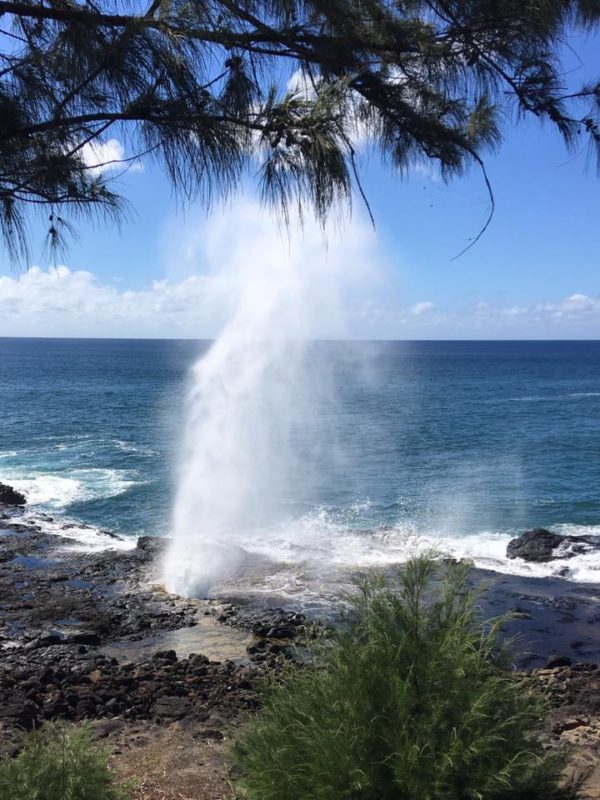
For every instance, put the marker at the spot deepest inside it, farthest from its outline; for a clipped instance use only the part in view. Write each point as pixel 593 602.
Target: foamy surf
pixel 50 495
pixel 54 491
pixel 311 559
pixel 77 535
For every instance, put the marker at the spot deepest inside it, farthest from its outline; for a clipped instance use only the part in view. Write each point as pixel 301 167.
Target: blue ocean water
pixel 463 444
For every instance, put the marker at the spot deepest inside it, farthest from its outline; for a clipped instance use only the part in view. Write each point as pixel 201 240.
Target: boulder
pixel 22 713
pixel 152 545
pixel 85 637
pixel 542 545
pixel 171 708
pixel 10 496
pixel 553 662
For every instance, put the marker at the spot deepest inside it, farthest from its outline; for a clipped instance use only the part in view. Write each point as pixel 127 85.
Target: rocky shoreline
pixel 64 613
pixel 93 636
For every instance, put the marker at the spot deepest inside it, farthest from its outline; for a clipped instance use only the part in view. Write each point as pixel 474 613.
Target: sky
pixel 164 273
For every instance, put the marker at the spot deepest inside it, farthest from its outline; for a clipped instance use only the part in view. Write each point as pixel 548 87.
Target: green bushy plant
pixel 413 700
pixel 59 762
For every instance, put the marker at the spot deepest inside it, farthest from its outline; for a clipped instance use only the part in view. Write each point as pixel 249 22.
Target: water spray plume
pixel 254 398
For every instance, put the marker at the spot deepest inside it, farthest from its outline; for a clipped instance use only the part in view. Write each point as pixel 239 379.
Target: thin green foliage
pixel 59 762
pixel 412 700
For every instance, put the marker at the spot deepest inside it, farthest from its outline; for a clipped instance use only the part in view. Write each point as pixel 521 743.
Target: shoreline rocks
pixel 10 496
pixel 541 545
pixel 75 630
pixel 73 623
pixel 86 635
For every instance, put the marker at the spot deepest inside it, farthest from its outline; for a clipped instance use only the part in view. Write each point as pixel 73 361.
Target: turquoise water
pixel 461 443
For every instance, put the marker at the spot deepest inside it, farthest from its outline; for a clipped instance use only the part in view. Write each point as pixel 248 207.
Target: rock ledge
pixel 10 496
pixel 542 545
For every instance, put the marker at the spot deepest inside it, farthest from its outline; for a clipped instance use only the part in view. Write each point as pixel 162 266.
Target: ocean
pixel 456 445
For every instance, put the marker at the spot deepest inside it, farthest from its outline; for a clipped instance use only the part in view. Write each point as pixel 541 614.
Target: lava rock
pixel 542 545
pixel 558 661
pixel 281 632
pixel 170 656
pixel 10 496
pixel 152 545
pixel 209 733
pixel 85 638
pixel 22 713
pixel 104 728
pixel 48 640
pixel 171 708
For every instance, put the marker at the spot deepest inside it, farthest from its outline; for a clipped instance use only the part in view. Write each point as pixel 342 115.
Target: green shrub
pixel 59 762
pixel 413 700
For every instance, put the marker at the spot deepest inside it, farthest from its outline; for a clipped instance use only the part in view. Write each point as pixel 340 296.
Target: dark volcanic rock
pixel 553 662
pixel 281 633
pixel 10 496
pixel 542 545
pixel 153 545
pixel 22 713
pixel 535 545
pixel 85 638
pixel 59 608
pixel 171 708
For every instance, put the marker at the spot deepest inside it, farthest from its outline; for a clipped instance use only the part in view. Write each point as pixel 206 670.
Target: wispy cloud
pixel 421 308
pixel 64 302
pixel 203 258
pixel 108 156
pixel 203 286
pixel 573 306
pixel 574 316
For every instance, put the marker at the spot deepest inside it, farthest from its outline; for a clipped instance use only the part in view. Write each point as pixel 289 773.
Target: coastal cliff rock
pixel 541 545
pixel 10 496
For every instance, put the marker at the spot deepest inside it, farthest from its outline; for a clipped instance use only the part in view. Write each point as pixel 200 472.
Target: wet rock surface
pixel 60 608
pixel 541 545
pixel 65 613
pixel 548 617
pixel 10 496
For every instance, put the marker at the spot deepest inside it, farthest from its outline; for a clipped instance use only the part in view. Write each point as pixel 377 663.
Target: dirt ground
pixel 171 764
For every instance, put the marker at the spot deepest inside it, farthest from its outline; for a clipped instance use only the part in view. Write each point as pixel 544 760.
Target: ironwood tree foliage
pixel 284 90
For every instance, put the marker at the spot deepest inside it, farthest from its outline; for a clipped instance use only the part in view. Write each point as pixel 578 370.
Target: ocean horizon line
pixel 314 340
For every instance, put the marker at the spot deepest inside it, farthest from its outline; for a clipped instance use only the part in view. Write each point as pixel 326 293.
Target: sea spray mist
pixel 256 398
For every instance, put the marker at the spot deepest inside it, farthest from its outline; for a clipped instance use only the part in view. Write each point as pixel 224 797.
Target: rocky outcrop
pixel 542 545
pixel 84 636
pixel 572 719
pixel 10 496
pixel 89 685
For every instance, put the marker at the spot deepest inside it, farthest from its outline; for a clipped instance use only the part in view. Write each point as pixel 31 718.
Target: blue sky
pixel 534 274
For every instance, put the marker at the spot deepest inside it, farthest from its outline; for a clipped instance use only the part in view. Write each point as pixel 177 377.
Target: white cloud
pixel 62 302
pixel 421 308
pixel 201 288
pixel 197 299
pixel 513 311
pixel 107 156
pixel 578 304
pixel 575 316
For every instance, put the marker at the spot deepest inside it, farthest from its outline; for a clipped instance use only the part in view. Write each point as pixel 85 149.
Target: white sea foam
pixel 308 560
pixel 547 397
pixel 129 447
pixel 80 537
pixel 55 491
